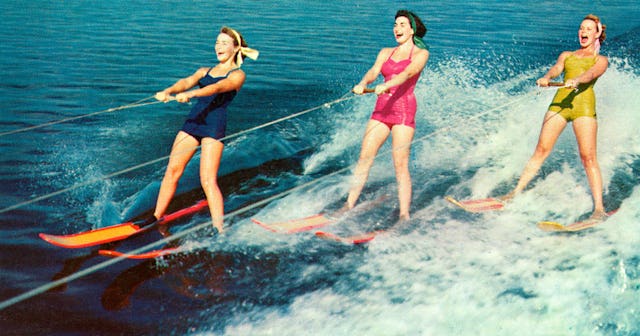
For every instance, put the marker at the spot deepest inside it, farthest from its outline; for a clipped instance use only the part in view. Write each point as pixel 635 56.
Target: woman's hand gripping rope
pixel 359 89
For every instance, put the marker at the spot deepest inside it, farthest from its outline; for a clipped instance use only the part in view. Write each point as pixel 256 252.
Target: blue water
pixel 443 273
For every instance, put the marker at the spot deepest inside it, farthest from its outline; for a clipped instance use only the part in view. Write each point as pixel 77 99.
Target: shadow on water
pixel 219 277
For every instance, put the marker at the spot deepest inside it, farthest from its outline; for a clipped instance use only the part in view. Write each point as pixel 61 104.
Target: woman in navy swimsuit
pixel 206 123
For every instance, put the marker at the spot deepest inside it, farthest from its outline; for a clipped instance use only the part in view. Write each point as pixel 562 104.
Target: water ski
pixel 477 205
pixel 116 232
pixel 318 220
pixel 551 226
pixel 296 225
pixel 355 239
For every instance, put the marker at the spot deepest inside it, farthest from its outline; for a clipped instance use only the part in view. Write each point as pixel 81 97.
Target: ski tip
pixel 92 237
pixel 550 226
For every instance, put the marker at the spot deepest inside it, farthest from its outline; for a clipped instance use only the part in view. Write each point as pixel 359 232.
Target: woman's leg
pixel 552 127
pixel 402 138
pixel 184 146
pixel 375 135
pixel 586 129
pixel 209 165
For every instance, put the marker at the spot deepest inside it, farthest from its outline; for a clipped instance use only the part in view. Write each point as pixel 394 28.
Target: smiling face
pixel 588 33
pixel 225 47
pixel 402 29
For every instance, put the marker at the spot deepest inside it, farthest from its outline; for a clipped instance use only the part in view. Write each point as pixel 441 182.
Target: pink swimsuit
pixel 398 107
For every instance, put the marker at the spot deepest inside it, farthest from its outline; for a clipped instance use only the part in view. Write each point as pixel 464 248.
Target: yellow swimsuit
pixel 572 104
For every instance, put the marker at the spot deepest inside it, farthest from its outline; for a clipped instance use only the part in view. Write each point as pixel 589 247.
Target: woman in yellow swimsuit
pixel 575 103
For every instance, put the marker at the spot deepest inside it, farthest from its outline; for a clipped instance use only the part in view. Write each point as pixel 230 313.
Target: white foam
pixel 451 273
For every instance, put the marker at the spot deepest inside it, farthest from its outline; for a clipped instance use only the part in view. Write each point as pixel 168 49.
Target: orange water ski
pixel 115 232
pixel 93 237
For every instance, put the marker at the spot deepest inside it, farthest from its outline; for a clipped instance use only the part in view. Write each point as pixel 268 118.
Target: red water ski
pixel 115 232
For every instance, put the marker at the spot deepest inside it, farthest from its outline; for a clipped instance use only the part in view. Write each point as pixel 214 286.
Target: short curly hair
pixel 596 19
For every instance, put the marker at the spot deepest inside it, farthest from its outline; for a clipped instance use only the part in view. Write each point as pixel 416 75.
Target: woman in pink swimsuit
pixel 395 108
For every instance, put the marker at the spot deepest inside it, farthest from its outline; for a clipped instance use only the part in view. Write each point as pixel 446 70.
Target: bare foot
pixel 598 215
pixel 340 212
pixel 507 198
pixel 219 228
pixel 164 230
pixel 152 219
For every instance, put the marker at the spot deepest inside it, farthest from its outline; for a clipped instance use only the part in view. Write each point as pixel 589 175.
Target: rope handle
pixel 367 90
pixel 561 84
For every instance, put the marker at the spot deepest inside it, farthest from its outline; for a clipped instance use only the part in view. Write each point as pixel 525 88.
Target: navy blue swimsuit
pixel 208 118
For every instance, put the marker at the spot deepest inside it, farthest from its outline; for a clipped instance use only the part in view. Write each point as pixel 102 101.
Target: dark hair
pixel 421 29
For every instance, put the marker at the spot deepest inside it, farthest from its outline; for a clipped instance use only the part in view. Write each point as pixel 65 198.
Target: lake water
pixel 444 272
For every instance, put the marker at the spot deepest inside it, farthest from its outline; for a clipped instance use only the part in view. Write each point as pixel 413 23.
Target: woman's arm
pixel 233 82
pixel 182 85
pixel 373 73
pixel 602 63
pixel 555 70
pixel 418 62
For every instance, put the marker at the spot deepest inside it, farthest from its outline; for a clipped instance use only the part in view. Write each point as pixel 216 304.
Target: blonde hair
pixel 238 41
pixel 602 28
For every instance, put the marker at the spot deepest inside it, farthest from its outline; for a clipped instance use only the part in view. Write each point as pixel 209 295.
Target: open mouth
pixel 584 39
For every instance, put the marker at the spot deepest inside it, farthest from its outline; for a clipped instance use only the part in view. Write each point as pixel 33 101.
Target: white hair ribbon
pixel 597 42
pixel 244 51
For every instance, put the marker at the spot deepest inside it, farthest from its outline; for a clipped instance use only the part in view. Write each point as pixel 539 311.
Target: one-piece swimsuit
pixel 570 103
pixel 398 106
pixel 208 118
